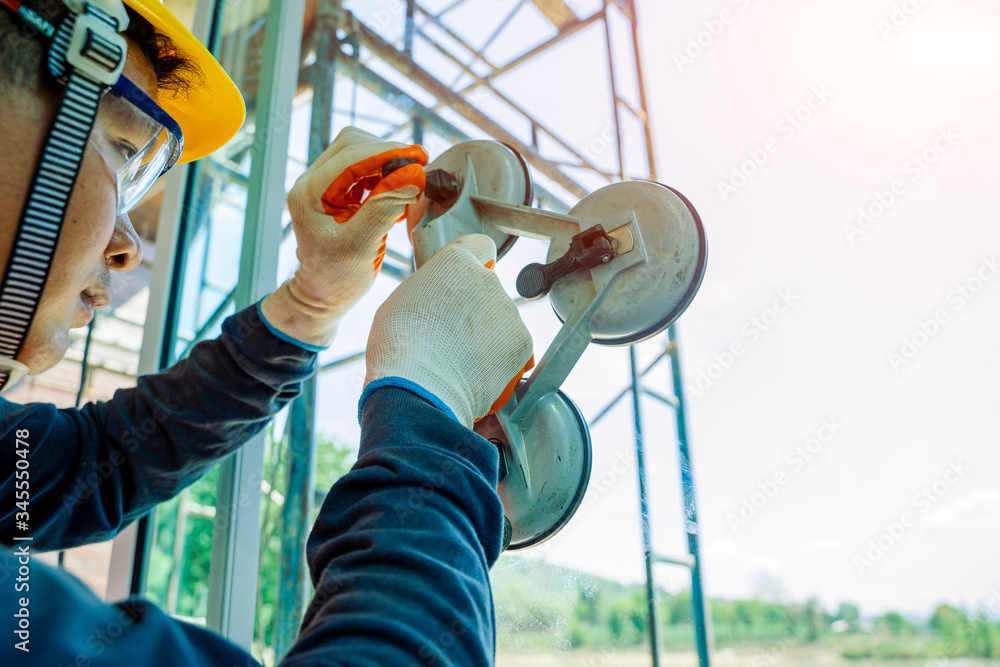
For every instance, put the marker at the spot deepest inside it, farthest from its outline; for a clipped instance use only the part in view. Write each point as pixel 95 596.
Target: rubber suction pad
pixel 501 173
pixel 650 298
pixel 557 443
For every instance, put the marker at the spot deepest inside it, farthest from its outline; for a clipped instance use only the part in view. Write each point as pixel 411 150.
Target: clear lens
pixel 136 148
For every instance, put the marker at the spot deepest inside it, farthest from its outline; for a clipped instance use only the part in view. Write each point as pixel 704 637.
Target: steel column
pixel 614 95
pixel 643 104
pixel 296 519
pixel 235 548
pixel 647 537
pixel 702 620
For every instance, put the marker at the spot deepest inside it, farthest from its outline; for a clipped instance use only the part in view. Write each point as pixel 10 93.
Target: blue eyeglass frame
pixel 135 95
pixel 123 87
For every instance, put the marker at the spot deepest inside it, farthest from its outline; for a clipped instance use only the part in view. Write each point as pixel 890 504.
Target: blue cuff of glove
pixel 285 337
pixel 408 385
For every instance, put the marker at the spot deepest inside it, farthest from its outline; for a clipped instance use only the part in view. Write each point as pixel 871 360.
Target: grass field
pixel 763 655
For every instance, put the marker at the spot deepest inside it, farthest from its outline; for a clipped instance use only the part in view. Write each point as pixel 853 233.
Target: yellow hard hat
pixel 209 114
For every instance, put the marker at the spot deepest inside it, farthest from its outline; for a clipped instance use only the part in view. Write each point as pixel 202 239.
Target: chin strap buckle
pixel 88 42
pixel 11 372
pixel 96 50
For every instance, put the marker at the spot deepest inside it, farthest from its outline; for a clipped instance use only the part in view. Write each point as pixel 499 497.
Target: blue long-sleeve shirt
pixel 94 470
pixel 399 555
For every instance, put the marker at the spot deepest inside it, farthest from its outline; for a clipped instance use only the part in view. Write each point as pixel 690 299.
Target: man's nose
pixel 124 251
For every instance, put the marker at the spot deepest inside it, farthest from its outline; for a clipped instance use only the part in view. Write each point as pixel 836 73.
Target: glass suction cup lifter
pixel 543 439
pixel 607 255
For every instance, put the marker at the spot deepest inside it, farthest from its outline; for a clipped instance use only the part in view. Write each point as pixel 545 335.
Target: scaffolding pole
pixel 647 537
pixel 702 618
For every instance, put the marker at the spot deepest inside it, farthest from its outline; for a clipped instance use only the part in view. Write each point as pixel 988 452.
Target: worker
pixel 99 99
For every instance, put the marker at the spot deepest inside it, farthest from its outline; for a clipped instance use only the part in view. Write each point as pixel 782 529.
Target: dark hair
pixel 22 54
pixel 175 72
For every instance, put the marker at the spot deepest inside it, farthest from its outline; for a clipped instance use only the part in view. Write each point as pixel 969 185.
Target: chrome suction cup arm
pixel 564 351
pixel 574 336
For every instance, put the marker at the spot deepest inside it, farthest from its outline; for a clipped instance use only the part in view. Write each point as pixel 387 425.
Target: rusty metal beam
pixel 398 60
pixel 629 9
pixel 368 80
pixel 556 11
pixel 480 81
pixel 568 30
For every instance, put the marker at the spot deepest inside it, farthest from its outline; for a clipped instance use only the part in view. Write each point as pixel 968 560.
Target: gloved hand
pixel 450 332
pixel 340 235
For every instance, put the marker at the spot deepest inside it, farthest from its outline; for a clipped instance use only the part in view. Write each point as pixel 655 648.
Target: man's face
pixel 92 243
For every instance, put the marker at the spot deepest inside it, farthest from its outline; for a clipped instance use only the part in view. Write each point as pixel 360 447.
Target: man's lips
pixel 95 297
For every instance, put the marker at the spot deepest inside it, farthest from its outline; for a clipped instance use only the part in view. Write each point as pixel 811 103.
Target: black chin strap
pixel 45 209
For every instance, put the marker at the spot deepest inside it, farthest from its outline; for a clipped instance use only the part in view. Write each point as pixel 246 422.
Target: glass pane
pixel 333 459
pixel 208 260
pixel 179 562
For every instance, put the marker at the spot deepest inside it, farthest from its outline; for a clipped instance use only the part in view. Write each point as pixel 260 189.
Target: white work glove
pixel 451 329
pixel 341 235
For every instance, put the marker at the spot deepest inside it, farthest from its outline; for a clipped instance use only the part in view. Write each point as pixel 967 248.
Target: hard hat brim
pixel 211 112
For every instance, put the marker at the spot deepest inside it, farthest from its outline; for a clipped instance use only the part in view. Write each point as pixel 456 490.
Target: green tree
pixel 677 608
pixel 724 616
pixel 895 624
pixel 850 614
pixel 984 637
pixel 333 460
pixel 744 610
pixel 949 622
pixel 814 620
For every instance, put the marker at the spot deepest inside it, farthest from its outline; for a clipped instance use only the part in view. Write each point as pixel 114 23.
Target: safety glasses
pixel 138 140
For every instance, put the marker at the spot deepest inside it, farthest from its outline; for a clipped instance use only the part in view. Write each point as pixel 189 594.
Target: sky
pixel 889 332
pixel 841 371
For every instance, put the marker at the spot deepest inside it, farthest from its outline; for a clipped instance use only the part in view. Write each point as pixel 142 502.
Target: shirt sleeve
pixel 401 551
pixel 50 618
pixel 399 558
pixel 94 470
